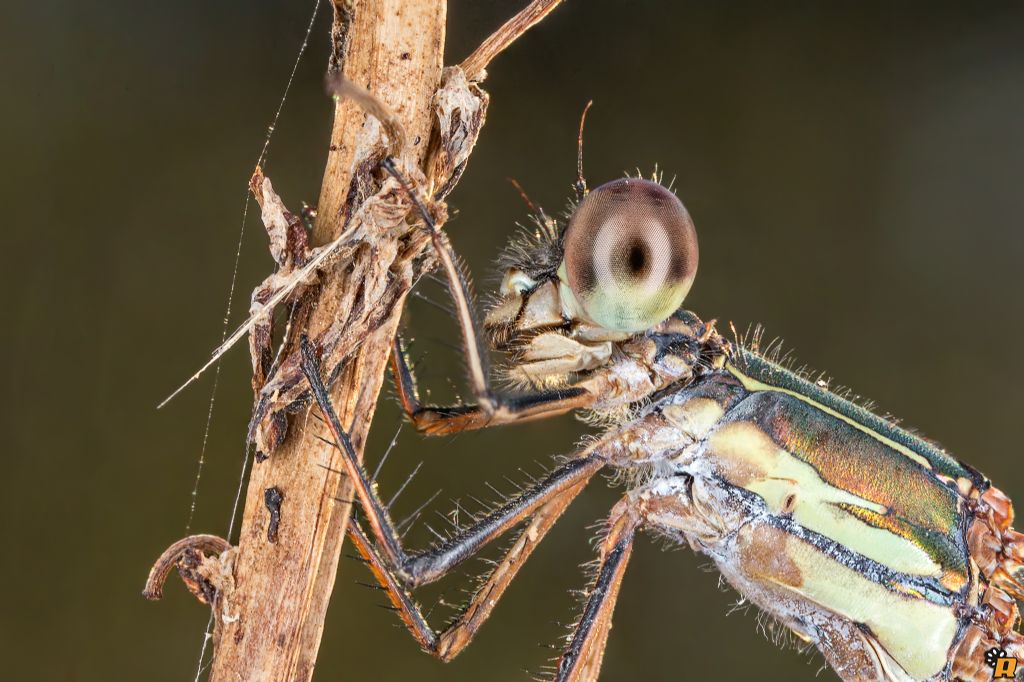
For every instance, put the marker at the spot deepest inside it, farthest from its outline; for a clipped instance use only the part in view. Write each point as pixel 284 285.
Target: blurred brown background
pixel 854 170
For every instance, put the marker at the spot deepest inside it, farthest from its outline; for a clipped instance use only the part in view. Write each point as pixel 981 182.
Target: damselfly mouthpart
pixel 895 560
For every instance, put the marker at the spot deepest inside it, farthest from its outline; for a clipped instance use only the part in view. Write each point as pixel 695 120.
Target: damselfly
pixel 894 559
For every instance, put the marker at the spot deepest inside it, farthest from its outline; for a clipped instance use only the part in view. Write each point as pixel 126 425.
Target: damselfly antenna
pixel 581 183
pixel 523 195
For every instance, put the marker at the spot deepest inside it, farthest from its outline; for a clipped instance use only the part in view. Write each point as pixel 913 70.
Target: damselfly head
pixel 630 255
pixel 621 266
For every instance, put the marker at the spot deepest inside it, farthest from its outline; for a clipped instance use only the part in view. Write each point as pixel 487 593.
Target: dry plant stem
pixel 270 593
pixel 475 65
pixel 473 70
pixel 270 625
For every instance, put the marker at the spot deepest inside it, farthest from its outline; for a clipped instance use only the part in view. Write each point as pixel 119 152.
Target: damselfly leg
pixel 582 659
pixel 492 408
pixel 539 506
pixel 434 420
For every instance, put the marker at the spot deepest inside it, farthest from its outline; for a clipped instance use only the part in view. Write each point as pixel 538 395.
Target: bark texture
pixel 344 287
pixel 270 622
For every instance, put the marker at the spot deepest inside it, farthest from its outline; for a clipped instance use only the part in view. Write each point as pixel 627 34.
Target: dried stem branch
pixel 275 614
pixel 345 289
pixel 475 65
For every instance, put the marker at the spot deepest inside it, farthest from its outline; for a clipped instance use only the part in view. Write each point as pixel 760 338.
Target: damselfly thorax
pixel 894 559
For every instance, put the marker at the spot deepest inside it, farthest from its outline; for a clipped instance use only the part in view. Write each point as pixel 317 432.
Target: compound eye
pixel 630 254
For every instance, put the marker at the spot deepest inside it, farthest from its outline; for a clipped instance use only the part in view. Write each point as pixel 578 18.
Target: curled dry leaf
pixel 202 562
pixel 461 108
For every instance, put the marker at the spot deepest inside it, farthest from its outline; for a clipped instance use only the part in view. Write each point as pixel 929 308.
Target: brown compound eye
pixel 630 254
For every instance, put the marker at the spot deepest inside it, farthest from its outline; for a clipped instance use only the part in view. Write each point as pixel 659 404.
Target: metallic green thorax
pixel 908 486
pixel 778 378
pixel 849 529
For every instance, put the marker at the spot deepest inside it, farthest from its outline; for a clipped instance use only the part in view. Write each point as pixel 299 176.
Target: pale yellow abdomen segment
pixel 916 633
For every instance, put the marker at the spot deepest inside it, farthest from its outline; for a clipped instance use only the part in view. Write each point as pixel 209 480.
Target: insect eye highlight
pixel 630 254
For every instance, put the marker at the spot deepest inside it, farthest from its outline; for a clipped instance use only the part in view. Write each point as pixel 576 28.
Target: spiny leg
pixel 491 408
pixel 436 421
pixel 581 661
pixel 448 643
pixel 413 570
pixel 475 353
